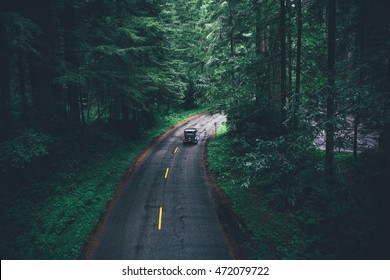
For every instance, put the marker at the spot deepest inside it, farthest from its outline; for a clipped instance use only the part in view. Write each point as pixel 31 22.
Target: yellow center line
pixel 177 148
pixel 166 173
pixel 159 219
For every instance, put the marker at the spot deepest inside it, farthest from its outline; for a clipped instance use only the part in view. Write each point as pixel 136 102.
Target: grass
pixel 52 219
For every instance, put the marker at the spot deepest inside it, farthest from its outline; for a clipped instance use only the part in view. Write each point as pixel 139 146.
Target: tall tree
pixel 289 30
pixel 22 84
pixel 44 63
pixel 5 91
pixel 232 23
pixel 298 64
pixel 71 58
pixel 283 113
pixel 331 90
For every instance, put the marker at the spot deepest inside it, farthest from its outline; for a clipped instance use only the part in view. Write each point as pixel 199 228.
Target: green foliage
pixel 25 147
pixel 102 60
pixel 284 174
pixel 123 67
pixel 51 216
pixel 282 199
pixel 218 155
pixel 274 234
pixel 23 29
pixel 166 122
pixel 305 219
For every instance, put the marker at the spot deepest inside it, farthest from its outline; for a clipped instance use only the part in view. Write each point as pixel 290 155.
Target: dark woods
pixel 69 62
pixel 290 73
pixel 72 71
pixel 76 74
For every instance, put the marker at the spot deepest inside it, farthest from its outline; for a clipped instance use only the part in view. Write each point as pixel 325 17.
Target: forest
pixel 304 155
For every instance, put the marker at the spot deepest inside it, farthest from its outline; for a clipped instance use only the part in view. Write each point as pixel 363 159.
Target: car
pixel 190 136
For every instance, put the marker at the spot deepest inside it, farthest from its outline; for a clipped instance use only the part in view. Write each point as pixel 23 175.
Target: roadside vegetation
pixel 85 84
pixel 51 203
pixel 84 87
pixel 306 219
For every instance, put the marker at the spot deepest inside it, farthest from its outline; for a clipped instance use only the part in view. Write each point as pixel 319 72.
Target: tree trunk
pixel 124 108
pixel 82 101
pixel 355 136
pixel 22 87
pixel 360 40
pixel 289 41
pixel 44 64
pixel 298 65
pixel 98 90
pixel 272 96
pixel 258 52
pixel 232 49
pixel 70 45
pixel 283 114
pixel 5 92
pixel 330 92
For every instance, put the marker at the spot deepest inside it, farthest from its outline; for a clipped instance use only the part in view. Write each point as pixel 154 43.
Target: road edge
pixel 92 240
pixel 234 229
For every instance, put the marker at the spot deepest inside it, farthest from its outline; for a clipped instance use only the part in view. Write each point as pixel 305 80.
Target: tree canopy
pixel 293 77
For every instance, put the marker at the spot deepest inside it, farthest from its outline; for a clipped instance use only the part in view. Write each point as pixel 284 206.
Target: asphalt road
pixel 166 213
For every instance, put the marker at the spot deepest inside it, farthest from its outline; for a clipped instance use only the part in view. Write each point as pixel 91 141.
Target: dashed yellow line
pixel 166 173
pixel 160 219
pixel 177 148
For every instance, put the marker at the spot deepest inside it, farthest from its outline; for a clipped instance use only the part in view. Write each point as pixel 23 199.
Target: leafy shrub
pixel 305 218
pixel 20 151
pixel 282 199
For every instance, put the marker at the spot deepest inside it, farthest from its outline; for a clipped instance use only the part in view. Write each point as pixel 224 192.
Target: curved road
pixel 165 210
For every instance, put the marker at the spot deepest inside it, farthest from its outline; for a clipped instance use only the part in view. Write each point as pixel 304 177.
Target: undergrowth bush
pixel 304 219
pixel 23 149
pixel 55 187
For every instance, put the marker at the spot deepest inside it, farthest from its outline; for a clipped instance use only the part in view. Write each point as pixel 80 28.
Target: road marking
pixel 177 148
pixel 166 173
pixel 159 219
